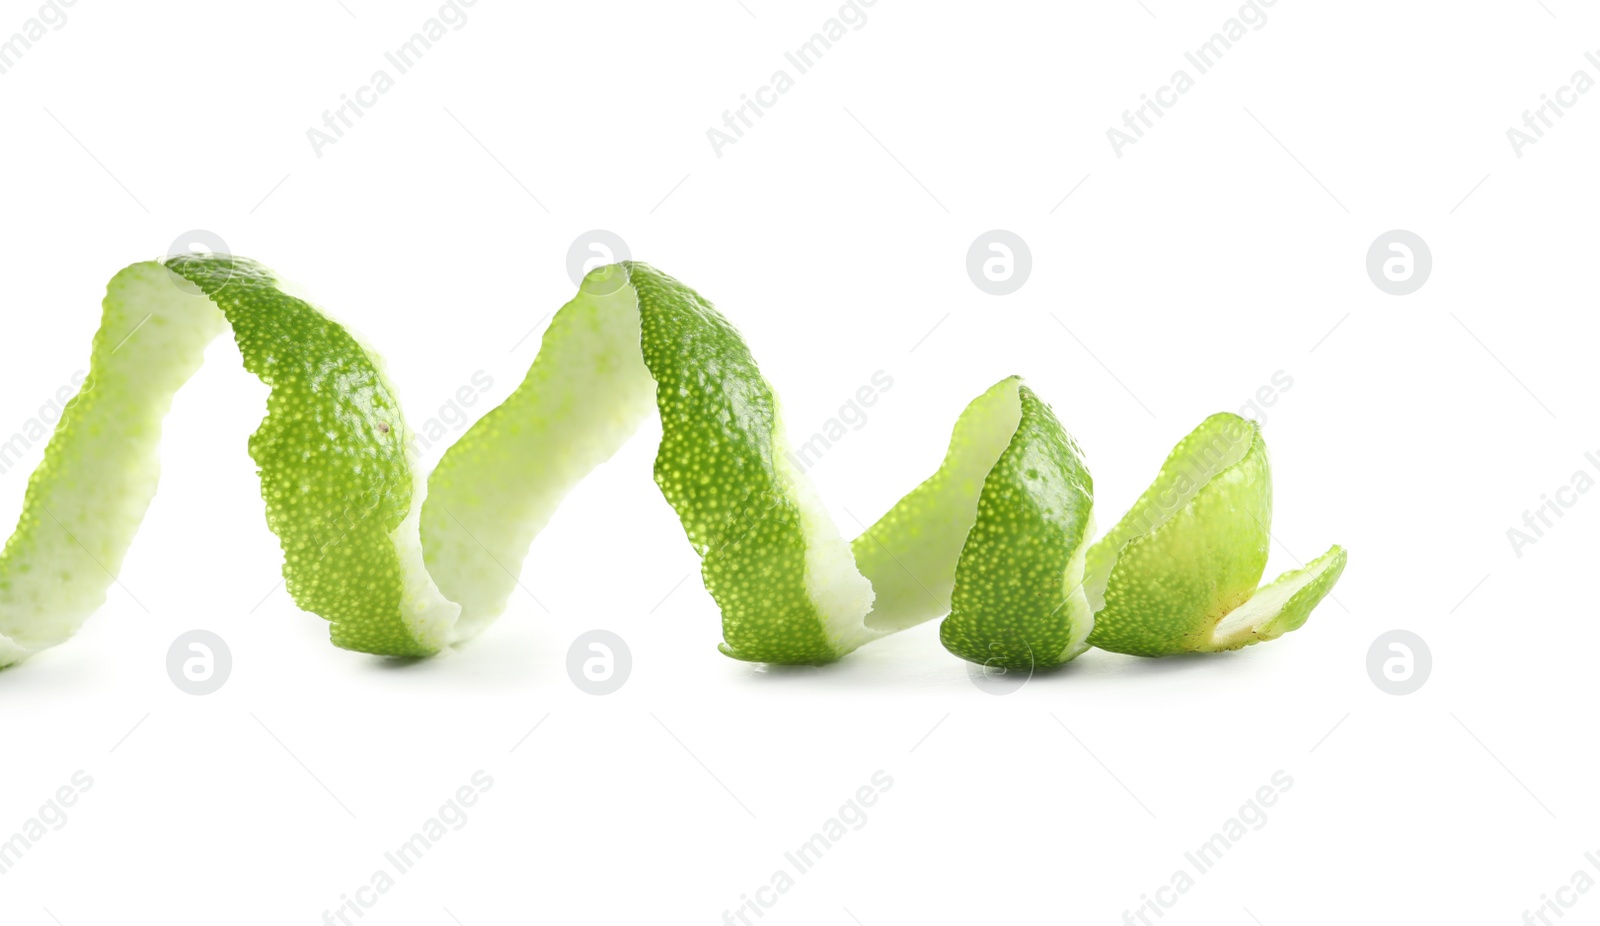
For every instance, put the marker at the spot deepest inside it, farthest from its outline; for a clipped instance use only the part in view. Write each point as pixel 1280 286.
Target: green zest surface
pixel 1019 601
pixel 1179 572
pixel 999 538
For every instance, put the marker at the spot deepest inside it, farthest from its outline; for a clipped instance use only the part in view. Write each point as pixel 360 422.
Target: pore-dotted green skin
pixel 998 535
pixel 331 454
pixel 910 553
pixel 1285 603
pixel 635 340
pixel 718 466
pixel 1019 602
pixel 1192 550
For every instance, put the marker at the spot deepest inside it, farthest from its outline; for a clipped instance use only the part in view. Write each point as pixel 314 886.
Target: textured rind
pixel 1294 612
pixel 1192 550
pixel 717 466
pixel 910 553
pixel 1018 601
pixel 1169 587
pixel 999 534
pixel 331 454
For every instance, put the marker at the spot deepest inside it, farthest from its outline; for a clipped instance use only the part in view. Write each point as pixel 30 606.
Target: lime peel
pixel 1179 573
pixel 997 539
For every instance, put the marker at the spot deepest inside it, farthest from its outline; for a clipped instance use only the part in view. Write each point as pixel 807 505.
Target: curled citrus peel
pixel 1178 573
pixel 998 537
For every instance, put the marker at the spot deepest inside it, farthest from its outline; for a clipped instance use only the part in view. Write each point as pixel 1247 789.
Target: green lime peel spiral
pixel 998 538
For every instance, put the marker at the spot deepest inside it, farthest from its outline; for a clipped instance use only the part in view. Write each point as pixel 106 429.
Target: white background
pixel 1227 245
